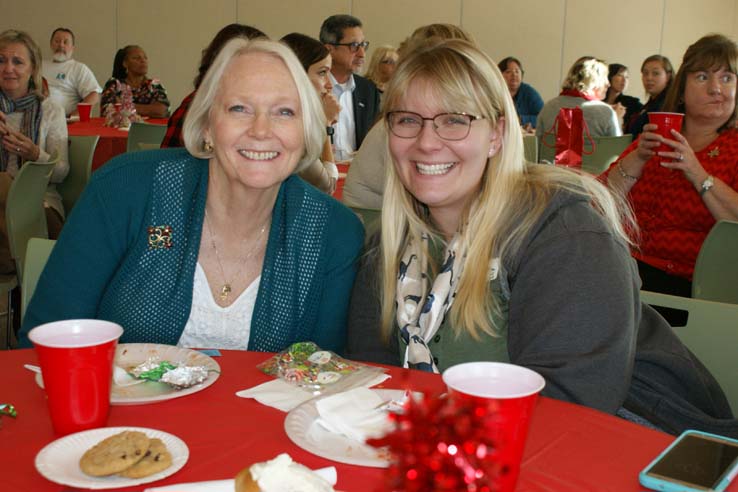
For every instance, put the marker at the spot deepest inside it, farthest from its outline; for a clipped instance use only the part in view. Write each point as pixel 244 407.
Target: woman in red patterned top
pixel 129 70
pixel 677 200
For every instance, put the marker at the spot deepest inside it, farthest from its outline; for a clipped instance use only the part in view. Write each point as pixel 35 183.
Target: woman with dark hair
pixel 624 106
pixel 677 195
pixel 173 138
pixel 656 74
pixel 32 128
pixel 316 60
pixel 528 101
pixel 129 70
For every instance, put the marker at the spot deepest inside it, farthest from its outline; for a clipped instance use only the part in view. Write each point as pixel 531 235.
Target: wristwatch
pixel 330 131
pixel 708 183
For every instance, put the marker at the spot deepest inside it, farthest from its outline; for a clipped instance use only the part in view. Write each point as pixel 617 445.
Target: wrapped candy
pixel 165 372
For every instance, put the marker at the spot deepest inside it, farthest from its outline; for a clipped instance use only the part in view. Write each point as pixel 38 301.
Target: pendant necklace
pixel 226 288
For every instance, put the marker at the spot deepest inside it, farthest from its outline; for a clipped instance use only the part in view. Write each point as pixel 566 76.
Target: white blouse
pixel 214 326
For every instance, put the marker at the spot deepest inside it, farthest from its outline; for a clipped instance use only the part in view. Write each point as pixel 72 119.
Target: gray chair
pixel 144 136
pixel 606 150
pixel 711 334
pixel 81 151
pixel 25 218
pixel 716 269
pixel 37 254
pixel 530 148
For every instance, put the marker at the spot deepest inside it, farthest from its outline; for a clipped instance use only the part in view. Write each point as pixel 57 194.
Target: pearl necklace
pixel 226 288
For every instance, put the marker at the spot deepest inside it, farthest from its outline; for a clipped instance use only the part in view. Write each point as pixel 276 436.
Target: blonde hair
pixel 380 54
pixel 585 74
pixel 11 36
pixel 512 195
pixel 198 116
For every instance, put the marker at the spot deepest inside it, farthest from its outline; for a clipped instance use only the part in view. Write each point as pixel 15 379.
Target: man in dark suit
pixel 358 97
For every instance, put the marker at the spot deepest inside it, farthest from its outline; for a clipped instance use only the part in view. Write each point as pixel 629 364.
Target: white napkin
pixel 285 396
pixel 329 474
pixel 355 413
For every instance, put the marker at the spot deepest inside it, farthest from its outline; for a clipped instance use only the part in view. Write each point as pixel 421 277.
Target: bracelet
pixel 624 174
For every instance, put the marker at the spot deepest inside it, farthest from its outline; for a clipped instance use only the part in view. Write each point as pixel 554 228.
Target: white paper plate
pixel 59 461
pixel 302 428
pixel 129 355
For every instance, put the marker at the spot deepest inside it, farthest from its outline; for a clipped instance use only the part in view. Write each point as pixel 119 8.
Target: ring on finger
pixel 17 149
pixel 681 157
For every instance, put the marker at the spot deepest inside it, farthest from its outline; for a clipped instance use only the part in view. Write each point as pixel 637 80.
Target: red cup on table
pixel 666 122
pixel 84 111
pixel 510 393
pixel 76 359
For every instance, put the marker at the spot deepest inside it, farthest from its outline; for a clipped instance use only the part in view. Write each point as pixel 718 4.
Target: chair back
pixel 24 210
pixel 369 217
pixel 716 269
pixel 37 253
pixel 530 148
pixel 606 150
pixel 81 151
pixel 144 136
pixel 711 334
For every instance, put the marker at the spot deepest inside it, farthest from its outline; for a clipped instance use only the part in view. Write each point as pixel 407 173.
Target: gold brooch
pixel 714 152
pixel 160 237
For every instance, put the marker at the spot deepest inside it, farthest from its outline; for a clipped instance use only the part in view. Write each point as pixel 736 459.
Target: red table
pixel 570 448
pixel 112 140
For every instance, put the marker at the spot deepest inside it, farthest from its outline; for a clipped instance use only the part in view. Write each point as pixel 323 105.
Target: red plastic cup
pixel 76 359
pixel 666 122
pixel 508 391
pixel 84 110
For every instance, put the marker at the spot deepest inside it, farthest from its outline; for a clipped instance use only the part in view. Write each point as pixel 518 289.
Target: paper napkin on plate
pixel 357 414
pixel 285 396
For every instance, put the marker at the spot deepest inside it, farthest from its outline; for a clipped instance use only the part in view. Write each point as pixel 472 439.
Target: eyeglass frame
pixel 423 119
pixel 353 47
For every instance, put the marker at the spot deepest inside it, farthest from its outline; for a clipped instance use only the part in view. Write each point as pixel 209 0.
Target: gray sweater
pixel 575 317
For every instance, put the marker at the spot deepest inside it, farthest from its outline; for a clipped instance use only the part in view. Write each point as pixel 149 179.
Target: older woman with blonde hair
pixel 382 66
pixel 585 86
pixel 219 244
pixel 32 128
pixel 485 257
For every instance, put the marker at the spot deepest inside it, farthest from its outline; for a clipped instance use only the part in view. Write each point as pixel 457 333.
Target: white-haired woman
pixel 483 256
pixel 216 245
pixel 585 86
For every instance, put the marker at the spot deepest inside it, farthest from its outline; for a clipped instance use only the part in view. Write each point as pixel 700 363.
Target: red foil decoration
pixel 442 444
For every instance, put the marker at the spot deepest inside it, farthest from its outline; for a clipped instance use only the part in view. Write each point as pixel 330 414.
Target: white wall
pixel 547 35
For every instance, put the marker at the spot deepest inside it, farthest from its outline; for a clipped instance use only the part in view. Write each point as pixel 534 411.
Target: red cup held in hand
pixel 84 111
pixel 666 122
pixel 76 359
pixel 510 393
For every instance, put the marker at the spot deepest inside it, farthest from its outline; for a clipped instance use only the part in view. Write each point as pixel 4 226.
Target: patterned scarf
pixel 420 315
pixel 30 106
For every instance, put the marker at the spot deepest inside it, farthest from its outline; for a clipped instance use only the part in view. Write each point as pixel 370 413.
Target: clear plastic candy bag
pixel 306 365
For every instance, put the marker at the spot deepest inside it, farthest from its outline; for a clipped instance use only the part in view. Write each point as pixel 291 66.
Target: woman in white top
pixel 33 128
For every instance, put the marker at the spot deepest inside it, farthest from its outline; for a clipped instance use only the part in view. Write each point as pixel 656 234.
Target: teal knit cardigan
pixel 105 265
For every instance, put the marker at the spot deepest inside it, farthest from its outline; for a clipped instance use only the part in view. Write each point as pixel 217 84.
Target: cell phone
pixel 695 461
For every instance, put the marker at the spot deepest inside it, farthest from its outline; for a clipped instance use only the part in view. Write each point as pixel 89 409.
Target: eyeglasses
pixel 448 126
pixel 354 47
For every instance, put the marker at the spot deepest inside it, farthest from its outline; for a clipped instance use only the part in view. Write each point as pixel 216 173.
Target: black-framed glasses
pixel 354 47
pixel 448 126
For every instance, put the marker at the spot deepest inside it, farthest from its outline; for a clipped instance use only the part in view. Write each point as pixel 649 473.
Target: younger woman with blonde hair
pixel 483 256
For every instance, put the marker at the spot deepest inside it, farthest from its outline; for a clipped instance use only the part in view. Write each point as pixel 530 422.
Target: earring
pixel 492 151
pixel 207 146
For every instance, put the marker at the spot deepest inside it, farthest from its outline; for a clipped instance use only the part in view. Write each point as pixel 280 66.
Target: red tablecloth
pixel 112 141
pixel 570 448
